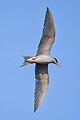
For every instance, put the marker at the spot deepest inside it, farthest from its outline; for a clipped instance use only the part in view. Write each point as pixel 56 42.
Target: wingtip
pixel 48 9
pixel 35 109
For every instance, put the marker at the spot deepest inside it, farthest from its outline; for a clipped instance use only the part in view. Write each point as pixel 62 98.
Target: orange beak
pixel 58 64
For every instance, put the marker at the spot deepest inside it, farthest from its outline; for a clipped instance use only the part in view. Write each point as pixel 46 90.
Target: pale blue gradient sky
pixel 21 24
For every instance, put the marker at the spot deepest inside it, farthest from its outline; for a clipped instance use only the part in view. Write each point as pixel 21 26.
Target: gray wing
pixel 48 34
pixel 41 85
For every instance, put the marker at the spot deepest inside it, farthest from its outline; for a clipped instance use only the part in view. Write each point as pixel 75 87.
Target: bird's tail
pixel 25 61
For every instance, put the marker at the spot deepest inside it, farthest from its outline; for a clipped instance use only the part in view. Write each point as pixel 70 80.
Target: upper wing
pixel 48 34
pixel 42 80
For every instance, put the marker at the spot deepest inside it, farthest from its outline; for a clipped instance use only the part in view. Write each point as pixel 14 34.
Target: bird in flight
pixel 42 59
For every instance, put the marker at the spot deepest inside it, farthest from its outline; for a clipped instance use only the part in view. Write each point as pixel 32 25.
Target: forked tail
pixel 25 61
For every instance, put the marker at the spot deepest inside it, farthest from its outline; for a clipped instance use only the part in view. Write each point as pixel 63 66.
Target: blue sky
pixel 21 24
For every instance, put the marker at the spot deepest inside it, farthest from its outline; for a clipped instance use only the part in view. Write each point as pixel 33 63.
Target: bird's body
pixel 42 59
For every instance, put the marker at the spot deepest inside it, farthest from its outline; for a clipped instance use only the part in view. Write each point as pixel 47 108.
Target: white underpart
pixel 41 59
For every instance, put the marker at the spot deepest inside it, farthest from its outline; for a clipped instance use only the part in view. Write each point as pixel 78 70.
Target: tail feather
pixel 24 64
pixel 26 57
pixel 25 61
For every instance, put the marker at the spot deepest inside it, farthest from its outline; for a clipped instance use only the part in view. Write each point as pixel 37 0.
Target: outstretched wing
pixel 41 85
pixel 48 34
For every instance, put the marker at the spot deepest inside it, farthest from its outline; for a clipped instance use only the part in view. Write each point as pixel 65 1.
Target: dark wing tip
pixel 48 9
pixel 35 108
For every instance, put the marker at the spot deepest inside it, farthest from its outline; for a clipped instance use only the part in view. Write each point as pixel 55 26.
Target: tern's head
pixel 55 61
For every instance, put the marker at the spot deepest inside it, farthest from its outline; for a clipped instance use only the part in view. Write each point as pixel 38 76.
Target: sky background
pixel 21 23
